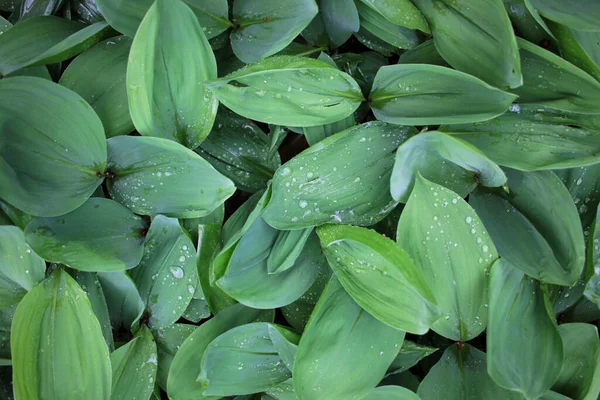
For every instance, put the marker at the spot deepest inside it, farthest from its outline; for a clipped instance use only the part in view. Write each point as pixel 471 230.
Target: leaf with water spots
pixel 454 252
pixel 379 26
pixel 166 277
pixel 390 393
pixel 410 354
pixel 400 12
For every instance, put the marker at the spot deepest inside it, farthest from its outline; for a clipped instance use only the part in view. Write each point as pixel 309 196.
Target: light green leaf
pixel 186 367
pixel 571 90
pixel 377 24
pixel 157 176
pixel 239 149
pixel 417 94
pixel 342 179
pixel 125 306
pixel 529 233
pixel 461 375
pixel 524 349
pixel 167 276
pixel 101 235
pixel 315 134
pixel 449 243
pixel 20 267
pixel 380 276
pixel 344 351
pixel 577 14
pixel 580 374
pixel 532 137
pixel 400 12
pixel 476 38
pixel 98 75
pixel 134 367
pixel 191 225
pixel 444 160
pixel 289 91
pixel 263 28
pixel 580 48
pixel 58 351
pixel 52 147
pixel 90 284
pixel 286 249
pixel 168 341
pixel 410 354
pixel 390 393
pixel 197 310
pixel 166 98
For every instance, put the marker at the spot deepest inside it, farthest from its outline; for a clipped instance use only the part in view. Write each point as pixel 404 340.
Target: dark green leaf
pixel 578 14
pixel 400 12
pixel 336 22
pixel 410 354
pixel 168 341
pixel 425 53
pixel 526 22
pixel 374 22
pixel 580 48
pixel 90 284
pixel 125 306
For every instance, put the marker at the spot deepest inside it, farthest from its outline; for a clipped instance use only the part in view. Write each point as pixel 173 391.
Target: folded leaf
pixel 377 24
pixel 342 179
pixel 418 94
pixel 286 250
pixel 52 147
pixel 524 349
pixel 89 282
pixel 577 14
pixel 410 354
pixel 167 98
pixel 290 91
pixel 101 235
pixel 344 351
pixel 476 38
pixel 58 351
pixel 529 233
pixel 125 306
pixel 380 277
pixel 158 176
pixel 444 160
pixel 400 12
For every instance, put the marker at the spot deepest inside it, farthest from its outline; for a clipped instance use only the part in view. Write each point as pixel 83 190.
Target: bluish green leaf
pixel 579 47
pixel 286 250
pixel 578 14
pixel 400 12
pixel 90 284
pixel 168 342
pixel 125 306
pixel 378 25
pixel 390 393
pixel 335 23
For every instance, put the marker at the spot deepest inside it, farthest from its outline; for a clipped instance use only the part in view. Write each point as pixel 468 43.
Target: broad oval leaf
pixel 460 375
pixel 342 179
pixel 52 147
pixel 158 176
pixel 264 28
pixel 106 63
pixel 125 306
pixel 449 243
pixel 134 367
pixel 57 346
pixel 524 348
pixel 101 235
pixel 166 98
pixel 577 14
pixel 571 88
pixel 390 393
pixel 289 91
pixel 378 25
pixel 534 137
pixel 476 38
pixel 528 231
pixel 182 383
pixel 344 351
pixel 419 94
pixel 167 276
pixel 20 267
pixel 380 277
pixel 400 12
pixel 90 284
pixel 444 160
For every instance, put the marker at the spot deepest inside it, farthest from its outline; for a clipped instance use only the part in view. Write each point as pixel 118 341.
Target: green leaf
pixel 168 341
pixel 239 149
pixel 592 288
pixel 577 14
pixel 263 28
pixel 101 235
pixel 247 278
pixel 164 95
pixel 186 367
pixel 18 217
pixel 476 38
pixel 584 186
pixel 52 147
pixel 336 22
pixel 134 367
pixel 425 53
pixel 363 67
pixel 282 391
pixel 125 15
pixel 157 176
pixel 167 276
pixel 390 393
pixel 20 267
pixel 400 12
pixel 377 24
pixel 289 91
pixel 527 21
pixel 98 76
pixel 192 224
pixel 286 250
pixel 197 310
pixel 580 48
pixel 58 351
pixel 374 43
pixel 86 10
pixel 533 137
pixel 6 318
pixel 461 374
pixel 315 134
pixel 580 374
pixel 416 94
pixel 524 349
pixel 90 284
pixel 344 351
pixel 571 90
pixel 410 354
pixel 380 277
pixel 243 360
pixel 125 306
pixel 342 179
pixel 529 233
pixel 445 160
